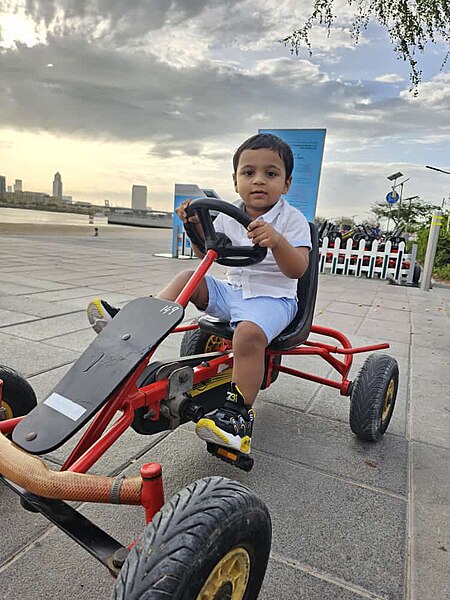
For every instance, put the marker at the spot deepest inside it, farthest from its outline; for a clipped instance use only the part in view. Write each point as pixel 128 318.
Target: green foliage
pixel 411 24
pixel 413 213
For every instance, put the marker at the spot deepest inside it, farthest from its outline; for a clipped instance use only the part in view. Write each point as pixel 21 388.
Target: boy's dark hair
pixel 270 141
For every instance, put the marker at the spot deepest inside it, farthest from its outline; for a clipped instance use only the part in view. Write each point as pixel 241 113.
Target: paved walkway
pixel 351 520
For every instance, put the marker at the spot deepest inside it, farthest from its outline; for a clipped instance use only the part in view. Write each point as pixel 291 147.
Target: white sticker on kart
pixel 169 309
pixel 66 407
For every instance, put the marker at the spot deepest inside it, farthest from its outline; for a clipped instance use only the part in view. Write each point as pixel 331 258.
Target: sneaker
pixel 100 313
pixel 230 426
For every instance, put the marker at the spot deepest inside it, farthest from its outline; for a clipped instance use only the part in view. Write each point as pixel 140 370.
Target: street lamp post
pixel 395 185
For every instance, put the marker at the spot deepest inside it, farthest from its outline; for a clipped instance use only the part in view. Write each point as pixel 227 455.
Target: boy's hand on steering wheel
pixel 181 212
pixel 264 234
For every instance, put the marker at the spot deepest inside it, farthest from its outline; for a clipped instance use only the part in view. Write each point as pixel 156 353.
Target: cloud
pixel 390 78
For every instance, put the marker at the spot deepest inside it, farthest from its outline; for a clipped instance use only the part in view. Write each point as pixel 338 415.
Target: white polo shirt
pixel 266 278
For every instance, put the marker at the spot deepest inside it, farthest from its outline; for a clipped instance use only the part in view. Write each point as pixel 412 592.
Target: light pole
pixel 436 169
pixel 394 178
pixel 443 200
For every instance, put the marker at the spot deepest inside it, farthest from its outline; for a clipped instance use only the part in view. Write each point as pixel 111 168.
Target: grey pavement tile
pixel 32 281
pixel 430 410
pixel 69 293
pixel 348 323
pixel 331 447
pixel 17 527
pixel 394 304
pixel 430 522
pixel 284 582
pixel 431 331
pixel 10 317
pixel 49 327
pixel 390 330
pixel 29 357
pixel 381 313
pixel 348 308
pixel 77 341
pixel 7 288
pixel 32 306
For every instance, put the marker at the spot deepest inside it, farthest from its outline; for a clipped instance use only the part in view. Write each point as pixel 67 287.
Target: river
pixel 21 215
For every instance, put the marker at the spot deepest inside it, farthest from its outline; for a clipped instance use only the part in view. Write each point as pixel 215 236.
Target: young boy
pixel 260 300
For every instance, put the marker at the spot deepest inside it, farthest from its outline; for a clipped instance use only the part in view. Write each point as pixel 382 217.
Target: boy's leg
pixel 259 320
pixel 249 347
pixel 232 424
pixel 100 312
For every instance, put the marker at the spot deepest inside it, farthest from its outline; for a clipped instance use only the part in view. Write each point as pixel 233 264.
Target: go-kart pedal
pixel 238 459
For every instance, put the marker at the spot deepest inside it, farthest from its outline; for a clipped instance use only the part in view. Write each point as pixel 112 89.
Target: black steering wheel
pixel 229 255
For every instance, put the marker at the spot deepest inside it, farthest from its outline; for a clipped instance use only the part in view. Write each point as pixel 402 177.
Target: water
pixel 20 215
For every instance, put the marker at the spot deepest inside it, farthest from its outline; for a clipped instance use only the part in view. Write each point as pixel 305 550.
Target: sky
pixel 156 92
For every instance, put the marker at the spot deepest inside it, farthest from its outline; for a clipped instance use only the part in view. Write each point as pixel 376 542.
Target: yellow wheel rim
pixel 9 411
pixel 388 398
pixel 228 580
pixel 213 343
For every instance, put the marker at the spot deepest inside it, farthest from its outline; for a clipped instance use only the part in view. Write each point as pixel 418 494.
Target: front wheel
pixel 18 397
pixel 210 541
pixel 373 397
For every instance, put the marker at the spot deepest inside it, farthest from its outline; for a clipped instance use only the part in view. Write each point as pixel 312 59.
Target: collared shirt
pixel 266 278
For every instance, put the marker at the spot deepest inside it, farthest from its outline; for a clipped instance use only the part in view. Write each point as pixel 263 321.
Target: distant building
pixel 28 197
pixel 2 186
pixel 67 199
pixel 139 197
pixel 57 186
pixel 9 188
pixel 18 185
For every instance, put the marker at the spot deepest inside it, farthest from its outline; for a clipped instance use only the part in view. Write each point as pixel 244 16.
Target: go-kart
pixel 212 539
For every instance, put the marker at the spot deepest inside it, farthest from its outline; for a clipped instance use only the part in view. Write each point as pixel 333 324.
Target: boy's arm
pixel 292 261
pixel 181 212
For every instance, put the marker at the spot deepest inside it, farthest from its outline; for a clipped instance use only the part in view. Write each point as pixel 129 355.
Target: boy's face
pixel 260 179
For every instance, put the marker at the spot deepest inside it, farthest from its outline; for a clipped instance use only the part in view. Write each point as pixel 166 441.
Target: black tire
pixel 18 397
pixel 417 272
pixel 373 397
pixel 198 341
pixel 180 549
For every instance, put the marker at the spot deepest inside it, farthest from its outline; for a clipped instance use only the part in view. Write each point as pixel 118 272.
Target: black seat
pixel 298 330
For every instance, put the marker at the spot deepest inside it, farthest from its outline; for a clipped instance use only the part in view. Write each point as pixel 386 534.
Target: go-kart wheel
pixel 18 397
pixel 199 342
pixel 373 397
pixel 210 541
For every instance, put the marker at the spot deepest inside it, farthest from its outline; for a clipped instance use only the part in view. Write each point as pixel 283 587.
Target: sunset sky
pixel 154 92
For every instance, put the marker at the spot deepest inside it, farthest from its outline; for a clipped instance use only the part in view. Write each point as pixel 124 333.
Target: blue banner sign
pixel 180 242
pixel 307 146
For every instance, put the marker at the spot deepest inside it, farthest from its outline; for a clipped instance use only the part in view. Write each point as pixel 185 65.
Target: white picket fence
pixel 371 262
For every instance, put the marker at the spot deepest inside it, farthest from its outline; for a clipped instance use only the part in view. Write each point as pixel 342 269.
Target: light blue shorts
pixel 226 303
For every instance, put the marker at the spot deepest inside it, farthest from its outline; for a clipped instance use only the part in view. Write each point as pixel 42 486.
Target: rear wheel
pixel 211 541
pixel 18 397
pixel 373 396
pixel 198 341
pixel 417 272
